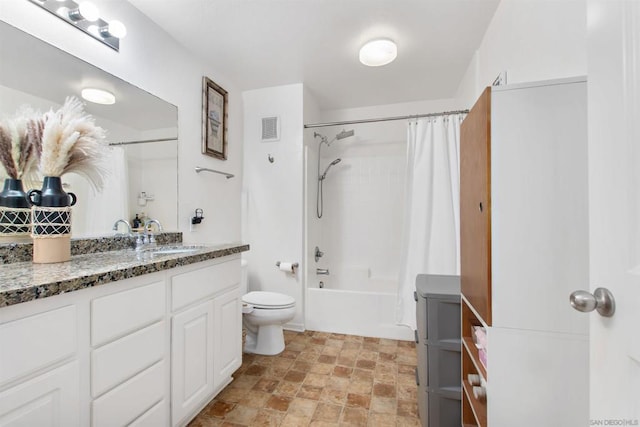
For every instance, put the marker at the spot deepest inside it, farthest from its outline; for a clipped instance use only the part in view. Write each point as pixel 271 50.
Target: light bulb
pixel 117 29
pixel 89 11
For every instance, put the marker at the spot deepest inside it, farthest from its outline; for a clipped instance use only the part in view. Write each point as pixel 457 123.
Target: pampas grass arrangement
pixel 71 142
pixel 20 139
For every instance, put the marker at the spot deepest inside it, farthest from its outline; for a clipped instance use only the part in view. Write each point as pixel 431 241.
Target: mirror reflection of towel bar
pixel 200 169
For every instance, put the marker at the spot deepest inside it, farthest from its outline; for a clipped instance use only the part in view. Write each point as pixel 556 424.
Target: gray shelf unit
pixel 439 347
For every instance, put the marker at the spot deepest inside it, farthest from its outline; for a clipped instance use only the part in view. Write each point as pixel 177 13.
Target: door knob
pixel 601 300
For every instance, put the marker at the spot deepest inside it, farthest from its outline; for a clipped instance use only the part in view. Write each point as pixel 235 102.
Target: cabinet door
pixel 475 206
pixel 227 336
pixel 51 399
pixel 191 359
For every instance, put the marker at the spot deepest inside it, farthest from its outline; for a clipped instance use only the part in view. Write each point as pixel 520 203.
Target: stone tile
pixel 406 369
pixel 322 368
pixel 295 376
pixel 276 372
pixel 262 360
pixel 287 389
pixel 219 409
pixel 408 422
pixel 387 356
pixel 407 344
pixel 406 379
pixel 301 366
pixel 359 400
pixel 332 342
pixel 280 362
pixel 279 403
pixel 341 337
pixel 346 361
pixel 360 387
pixel 290 354
pixel 309 392
pixel 338 382
pixel 342 371
pixel 316 380
pixel 351 345
pixel 327 412
pixel 331 351
pixel 291 420
pixel 407 391
pixel 325 358
pixel 268 385
pixel 365 364
pixel 368 355
pixel 362 375
pixel 319 341
pixel 255 370
pixel 255 399
pixel 384 405
pixel 384 390
pixel 318 423
pixel 241 415
pixel 407 408
pixel 381 420
pixel 296 346
pixel 333 395
pixel 231 395
pixel 244 382
pixel 354 416
pixel 268 418
pixel 303 407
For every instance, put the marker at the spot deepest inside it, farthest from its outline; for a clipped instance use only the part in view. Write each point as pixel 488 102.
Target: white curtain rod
pixel 384 119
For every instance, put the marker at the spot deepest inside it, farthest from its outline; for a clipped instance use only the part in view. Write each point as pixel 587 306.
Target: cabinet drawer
pixel 157 416
pixel 35 342
pixel 444 369
pixel 443 319
pixel 130 400
pixel 115 315
pixel 120 360
pixel 195 285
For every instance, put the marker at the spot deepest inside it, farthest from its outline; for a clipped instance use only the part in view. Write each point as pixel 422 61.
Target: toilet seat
pixel 268 300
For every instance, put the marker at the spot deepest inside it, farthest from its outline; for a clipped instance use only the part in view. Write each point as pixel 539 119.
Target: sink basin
pixel 171 250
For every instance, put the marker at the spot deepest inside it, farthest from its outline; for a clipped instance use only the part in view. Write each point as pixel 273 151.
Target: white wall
pixel 153 61
pixel 274 193
pixel 532 40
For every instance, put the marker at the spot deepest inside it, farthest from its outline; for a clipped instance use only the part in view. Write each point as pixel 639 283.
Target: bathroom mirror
pixel 141 129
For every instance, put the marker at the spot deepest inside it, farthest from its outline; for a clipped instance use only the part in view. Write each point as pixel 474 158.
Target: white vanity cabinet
pixel 146 351
pixel 206 335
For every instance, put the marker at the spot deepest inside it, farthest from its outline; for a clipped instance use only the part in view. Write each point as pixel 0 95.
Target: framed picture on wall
pixel 214 119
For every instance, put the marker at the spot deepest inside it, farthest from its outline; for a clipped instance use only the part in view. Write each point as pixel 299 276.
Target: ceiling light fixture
pixel 86 17
pixel 98 96
pixel 378 52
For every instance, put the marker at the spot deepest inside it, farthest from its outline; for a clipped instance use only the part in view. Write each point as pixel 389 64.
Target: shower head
pixel 342 135
pixel 324 175
pixel 345 134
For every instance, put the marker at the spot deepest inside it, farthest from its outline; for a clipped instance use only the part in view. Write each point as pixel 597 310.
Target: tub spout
pixel 322 271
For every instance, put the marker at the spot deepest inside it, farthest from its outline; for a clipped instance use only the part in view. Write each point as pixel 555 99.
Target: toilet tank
pixel 243 276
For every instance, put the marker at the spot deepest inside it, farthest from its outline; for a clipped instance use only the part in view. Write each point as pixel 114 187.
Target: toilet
pixel 263 314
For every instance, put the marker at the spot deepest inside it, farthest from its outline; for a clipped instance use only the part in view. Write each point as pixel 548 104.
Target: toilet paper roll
pixel 286 266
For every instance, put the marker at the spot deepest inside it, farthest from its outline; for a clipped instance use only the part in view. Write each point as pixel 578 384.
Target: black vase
pixel 14 197
pixel 51 196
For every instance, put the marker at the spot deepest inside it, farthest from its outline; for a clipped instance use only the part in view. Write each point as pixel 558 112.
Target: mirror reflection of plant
pixel 20 138
pixel 71 142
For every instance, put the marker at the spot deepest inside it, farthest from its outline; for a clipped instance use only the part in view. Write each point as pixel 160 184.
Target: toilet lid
pixel 261 299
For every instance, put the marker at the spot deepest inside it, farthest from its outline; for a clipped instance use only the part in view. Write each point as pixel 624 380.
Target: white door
pixel 614 207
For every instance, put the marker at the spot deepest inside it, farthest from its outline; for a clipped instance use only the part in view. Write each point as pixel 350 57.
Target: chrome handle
pixel 322 271
pixel 601 300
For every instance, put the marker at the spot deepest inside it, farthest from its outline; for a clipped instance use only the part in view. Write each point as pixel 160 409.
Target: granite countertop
pixel 25 281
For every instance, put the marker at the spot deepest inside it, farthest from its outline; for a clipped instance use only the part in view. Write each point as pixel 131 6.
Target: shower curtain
pixel 431 230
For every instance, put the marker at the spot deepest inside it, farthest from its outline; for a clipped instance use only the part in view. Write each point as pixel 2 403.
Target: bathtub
pixel 369 312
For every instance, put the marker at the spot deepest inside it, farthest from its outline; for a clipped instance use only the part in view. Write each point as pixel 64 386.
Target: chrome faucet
pixel 151 239
pixel 322 271
pixel 125 222
pixel 146 238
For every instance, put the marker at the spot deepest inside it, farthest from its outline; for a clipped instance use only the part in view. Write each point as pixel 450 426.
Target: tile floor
pixel 321 379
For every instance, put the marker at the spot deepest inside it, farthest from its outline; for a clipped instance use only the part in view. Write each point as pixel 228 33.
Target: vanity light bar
pixel 71 12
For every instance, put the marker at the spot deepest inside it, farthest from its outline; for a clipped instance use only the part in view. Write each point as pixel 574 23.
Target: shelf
pixel 478 408
pixel 475 357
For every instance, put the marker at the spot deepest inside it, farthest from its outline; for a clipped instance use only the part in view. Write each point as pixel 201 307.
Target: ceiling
pixel 264 43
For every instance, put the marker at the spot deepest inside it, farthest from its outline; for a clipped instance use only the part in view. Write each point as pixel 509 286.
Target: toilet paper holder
pixel 294 266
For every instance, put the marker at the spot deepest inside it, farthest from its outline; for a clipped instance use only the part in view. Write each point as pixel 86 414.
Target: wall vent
pixel 270 129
